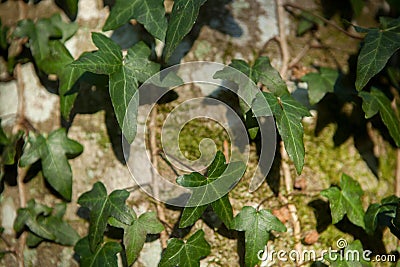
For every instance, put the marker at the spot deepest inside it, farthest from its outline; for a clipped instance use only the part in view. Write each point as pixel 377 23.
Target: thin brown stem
pixel 154 161
pixel 331 23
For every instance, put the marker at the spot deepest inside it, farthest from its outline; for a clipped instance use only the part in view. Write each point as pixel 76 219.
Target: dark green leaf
pixel 387 207
pixel 357 6
pixel 58 62
pixel 183 16
pixel 320 83
pixel 44 225
pixel 270 77
pixel 257 226
pixel 346 200
pixel 189 253
pixel 221 205
pixel 354 258
pixel 104 255
pixel 150 13
pixel 53 153
pixel 135 234
pixel 288 114
pixel 379 45
pixel 106 60
pixel 101 208
pixel 377 101
pixel 70 7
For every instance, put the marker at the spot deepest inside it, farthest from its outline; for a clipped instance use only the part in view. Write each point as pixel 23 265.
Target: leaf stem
pixel 334 25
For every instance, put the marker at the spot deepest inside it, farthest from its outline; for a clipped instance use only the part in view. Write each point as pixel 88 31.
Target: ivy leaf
pixel 135 234
pixel 125 75
pixel 53 153
pixel 70 7
pixel 44 225
pixel 346 200
pixel 320 83
pixel 104 255
pixel 257 226
pixel 261 71
pixel 222 207
pixel 150 13
pixel 307 22
pixel 387 207
pixel 42 31
pixel 183 16
pixel 288 114
pixel 58 62
pixel 106 60
pixel 189 253
pixel 101 208
pixel 378 46
pixel 351 260
pixel 377 101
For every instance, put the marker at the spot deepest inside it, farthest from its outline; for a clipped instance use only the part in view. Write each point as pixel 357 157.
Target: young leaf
pixel 135 234
pixel 189 253
pixel 288 114
pixel 378 46
pixel 320 83
pixel 221 206
pixel 53 153
pixel 351 259
pixel 257 225
pixel 183 16
pixel 58 62
pixel 101 208
pixel 377 101
pixel 150 13
pixel 346 200
pixel 104 255
pixel 44 225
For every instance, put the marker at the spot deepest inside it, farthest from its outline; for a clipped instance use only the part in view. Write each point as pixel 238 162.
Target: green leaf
pixel 53 153
pixel 150 13
pixel 3 36
pixel 357 6
pixel 377 101
pixel 135 234
pixel 183 16
pixel 354 258
pixel 104 255
pixel 346 200
pixel 44 225
pixel 221 206
pixel 307 22
pixel 58 62
pixel 387 207
pixel 189 253
pixel 270 77
pixel 320 83
pixel 378 46
pixel 70 7
pixel 106 60
pixel 288 114
pixel 101 208
pixel 257 226
pixel 42 31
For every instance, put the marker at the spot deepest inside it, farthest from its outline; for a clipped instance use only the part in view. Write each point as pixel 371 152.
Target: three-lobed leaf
pixel 53 152
pixel 150 13
pixel 189 253
pixel 221 205
pixel 378 46
pixel 288 114
pixel 135 234
pixel 320 83
pixel 376 101
pixel 257 225
pixel 101 207
pixel 346 200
